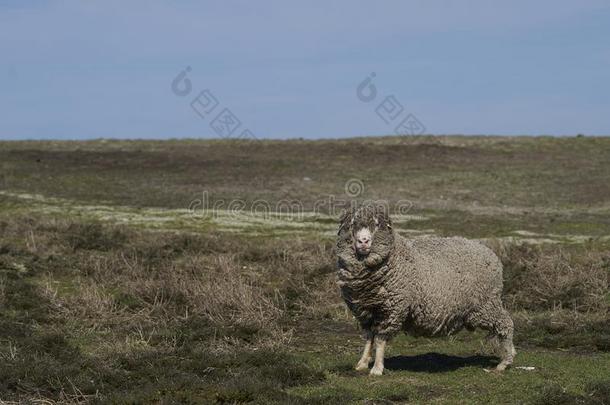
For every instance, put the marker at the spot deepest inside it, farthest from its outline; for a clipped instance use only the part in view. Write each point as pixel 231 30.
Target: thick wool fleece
pixel 426 286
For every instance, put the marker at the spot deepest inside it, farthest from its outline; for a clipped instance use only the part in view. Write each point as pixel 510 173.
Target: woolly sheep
pixel 423 286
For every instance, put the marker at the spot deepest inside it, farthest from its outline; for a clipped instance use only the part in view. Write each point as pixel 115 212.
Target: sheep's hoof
pixel 362 365
pixel 376 371
pixel 499 368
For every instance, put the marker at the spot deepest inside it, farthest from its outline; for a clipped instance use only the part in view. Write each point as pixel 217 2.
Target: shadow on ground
pixel 437 362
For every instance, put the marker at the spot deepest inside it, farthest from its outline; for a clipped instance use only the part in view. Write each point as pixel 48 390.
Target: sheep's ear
pixel 346 219
pixel 383 219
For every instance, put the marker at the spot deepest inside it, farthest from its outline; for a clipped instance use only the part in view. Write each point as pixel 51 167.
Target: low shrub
pixel 554 277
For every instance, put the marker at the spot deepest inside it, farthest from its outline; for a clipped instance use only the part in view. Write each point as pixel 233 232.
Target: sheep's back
pixel 452 274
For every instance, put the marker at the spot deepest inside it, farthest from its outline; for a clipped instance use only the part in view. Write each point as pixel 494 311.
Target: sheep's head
pixel 367 233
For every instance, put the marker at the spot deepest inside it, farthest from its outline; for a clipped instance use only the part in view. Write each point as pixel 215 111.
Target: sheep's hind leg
pixel 367 354
pixel 504 329
pixel 498 322
pixel 379 353
pixel 508 353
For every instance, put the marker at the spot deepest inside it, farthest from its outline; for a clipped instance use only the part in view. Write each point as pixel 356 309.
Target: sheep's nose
pixel 364 241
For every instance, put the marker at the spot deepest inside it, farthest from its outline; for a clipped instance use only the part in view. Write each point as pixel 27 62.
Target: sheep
pixel 423 286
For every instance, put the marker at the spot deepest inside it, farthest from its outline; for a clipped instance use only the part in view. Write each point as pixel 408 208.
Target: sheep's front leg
pixel 379 353
pixel 363 364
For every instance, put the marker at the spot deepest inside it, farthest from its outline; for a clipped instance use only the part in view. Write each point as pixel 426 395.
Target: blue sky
pixel 90 69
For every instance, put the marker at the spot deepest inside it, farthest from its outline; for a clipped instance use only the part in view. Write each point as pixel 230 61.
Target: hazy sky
pixel 88 69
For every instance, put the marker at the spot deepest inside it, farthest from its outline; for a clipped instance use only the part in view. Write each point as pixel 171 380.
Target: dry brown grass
pixel 112 275
pixel 247 292
pixel 124 303
pixel 555 277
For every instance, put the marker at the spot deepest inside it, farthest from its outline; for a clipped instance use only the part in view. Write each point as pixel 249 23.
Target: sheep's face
pixel 366 231
pixel 363 239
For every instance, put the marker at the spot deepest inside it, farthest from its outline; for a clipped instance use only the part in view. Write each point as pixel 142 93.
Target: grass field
pixel 116 285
